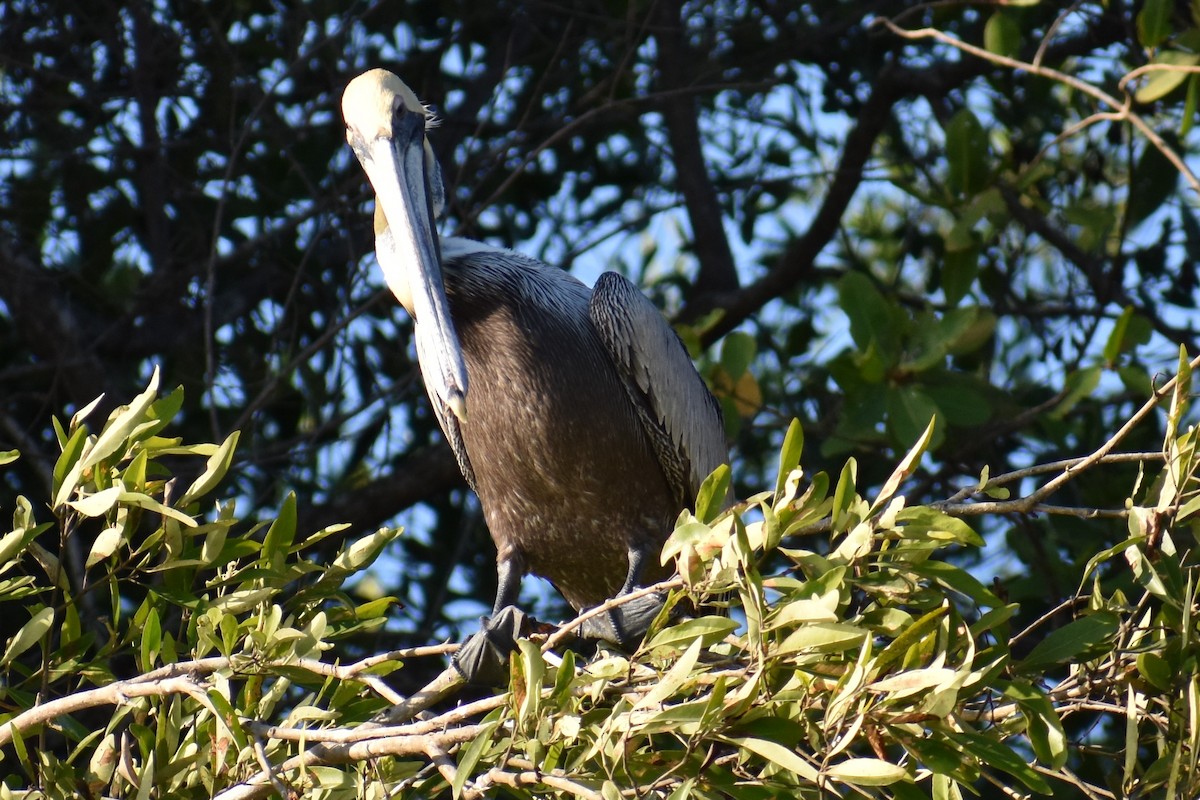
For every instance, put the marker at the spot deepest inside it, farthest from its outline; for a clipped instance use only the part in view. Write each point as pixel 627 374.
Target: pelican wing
pixel 681 418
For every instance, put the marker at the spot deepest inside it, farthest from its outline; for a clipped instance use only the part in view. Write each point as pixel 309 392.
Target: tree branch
pixel 717 270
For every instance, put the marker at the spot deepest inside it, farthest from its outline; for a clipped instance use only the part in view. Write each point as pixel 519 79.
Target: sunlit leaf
pixel 1161 83
pixel 30 634
pixel 776 754
pixel 866 772
pixel 214 471
pixel 105 544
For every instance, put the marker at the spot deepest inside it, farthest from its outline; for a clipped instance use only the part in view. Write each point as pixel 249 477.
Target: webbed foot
pixel 482 659
pixel 625 625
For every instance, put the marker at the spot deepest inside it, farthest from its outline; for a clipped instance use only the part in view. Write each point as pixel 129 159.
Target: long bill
pixel 397 168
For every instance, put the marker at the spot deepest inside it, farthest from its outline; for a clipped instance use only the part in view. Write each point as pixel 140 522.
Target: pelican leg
pixel 482 658
pixel 626 625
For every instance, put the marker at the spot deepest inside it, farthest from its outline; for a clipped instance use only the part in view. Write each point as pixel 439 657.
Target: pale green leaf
pixel 906 467
pixel 708 630
pixel 822 637
pixel 670 683
pixel 30 634
pixel 214 471
pixel 122 424
pixel 789 455
pixel 777 754
pixel 98 504
pixel 105 544
pixel 867 772
pixel 1162 82
pixel 149 503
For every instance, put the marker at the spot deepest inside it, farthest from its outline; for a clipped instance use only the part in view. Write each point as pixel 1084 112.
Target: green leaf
pixel 1154 180
pixel 217 466
pixel 936 755
pixel 988 751
pixel 1002 34
pixel 98 504
pixel 1116 339
pixel 533 668
pixel 122 424
pixel 783 757
pixel 871 317
pixel 282 532
pixel 365 550
pixel 925 523
pixel 823 637
pixel 1156 670
pixel 1161 83
pixel 13 543
pixel 911 414
pixel 150 504
pixel 67 468
pixel 469 757
pixel 79 416
pixel 789 455
pixel 1079 385
pixel 1191 101
pixel 1154 22
pixel 737 351
pixel 674 679
pixel 967 153
pixel 867 772
pixel 967 329
pixel 214 540
pixel 151 640
pixel 905 468
pixel 1073 639
pixel 714 494
pixel 332 778
pixel 105 544
pixel 899 647
pixel 709 630
pixel 30 634
pixel 959 580
pixel 843 495
pixel 960 268
pixel 9 456
pixel 1042 725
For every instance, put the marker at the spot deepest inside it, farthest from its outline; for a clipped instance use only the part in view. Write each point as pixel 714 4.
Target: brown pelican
pixel 576 415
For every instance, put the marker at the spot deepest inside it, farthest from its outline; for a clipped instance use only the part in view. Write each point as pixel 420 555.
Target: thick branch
pixel 675 60
pixel 421 474
pixel 798 260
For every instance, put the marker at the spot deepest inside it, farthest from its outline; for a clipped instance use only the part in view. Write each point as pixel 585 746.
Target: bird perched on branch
pixel 576 414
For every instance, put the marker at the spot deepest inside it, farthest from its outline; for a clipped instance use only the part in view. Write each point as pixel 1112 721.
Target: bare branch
pixel 1122 109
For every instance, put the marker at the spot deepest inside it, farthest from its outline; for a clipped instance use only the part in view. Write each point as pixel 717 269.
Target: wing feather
pixel 681 418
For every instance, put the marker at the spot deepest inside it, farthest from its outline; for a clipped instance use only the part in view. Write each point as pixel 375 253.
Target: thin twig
pixel 1049 466
pixel 568 630
pixel 1122 108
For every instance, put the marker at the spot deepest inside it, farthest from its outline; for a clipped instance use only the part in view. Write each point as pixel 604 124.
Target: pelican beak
pixel 398 167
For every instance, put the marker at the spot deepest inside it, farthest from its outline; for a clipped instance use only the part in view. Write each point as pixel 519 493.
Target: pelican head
pixel 385 126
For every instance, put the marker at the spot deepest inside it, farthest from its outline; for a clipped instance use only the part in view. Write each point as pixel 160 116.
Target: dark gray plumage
pixel 576 415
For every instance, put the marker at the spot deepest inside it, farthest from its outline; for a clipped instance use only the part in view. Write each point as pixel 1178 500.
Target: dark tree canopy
pixel 853 221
